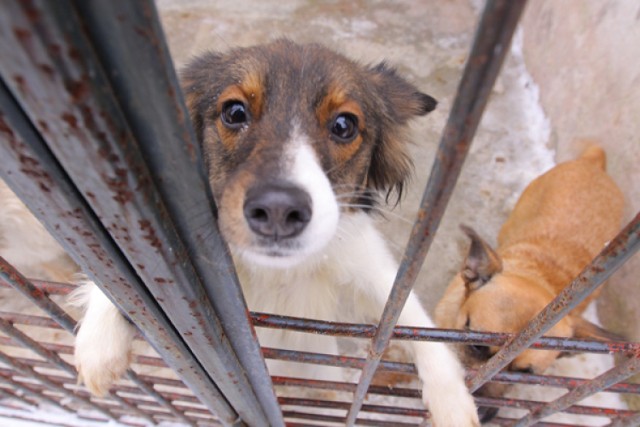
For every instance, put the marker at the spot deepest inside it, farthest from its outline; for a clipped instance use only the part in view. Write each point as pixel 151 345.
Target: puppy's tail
pixel 595 155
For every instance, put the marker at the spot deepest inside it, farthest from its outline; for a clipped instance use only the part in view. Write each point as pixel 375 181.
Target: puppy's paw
pixel 99 363
pixel 103 346
pixel 452 406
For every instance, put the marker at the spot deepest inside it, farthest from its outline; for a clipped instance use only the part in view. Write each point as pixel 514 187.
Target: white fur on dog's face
pixel 301 168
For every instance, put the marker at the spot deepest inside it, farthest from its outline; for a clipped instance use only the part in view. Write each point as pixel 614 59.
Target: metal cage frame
pixel 74 75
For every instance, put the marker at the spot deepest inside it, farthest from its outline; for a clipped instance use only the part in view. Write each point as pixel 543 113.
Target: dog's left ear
pixel 399 101
pixel 481 263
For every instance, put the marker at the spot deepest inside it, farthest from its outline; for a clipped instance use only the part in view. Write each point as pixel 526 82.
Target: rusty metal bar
pixel 48 55
pixel 57 361
pixel 490 46
pixel 64 381
pixel 332 360
pixel 441 335
pixel 342 420
pixel 136 205
pixel 332 404
pixel 33 174
pixel 556 381
pixel 9 394
pixel 175 167
pixel 5 376
pixel 37 397
pixel 308 325
pixel 626 243
pixel 26 370
pixel 17 281
pixel 619 373
pixel 13 278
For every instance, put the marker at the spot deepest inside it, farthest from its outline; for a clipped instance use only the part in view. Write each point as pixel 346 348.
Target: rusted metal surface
pixel 81 120
pixel 294 407
pixel 57 204
pixel 175 168
pixel 37 296
pixel 434 334
pixel 491 43
pixel 626 243
pixel 614 375
pixel 64 102
pixel 17 281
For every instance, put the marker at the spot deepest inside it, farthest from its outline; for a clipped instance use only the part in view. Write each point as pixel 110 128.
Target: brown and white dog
pixel 561 221
pixel 298 140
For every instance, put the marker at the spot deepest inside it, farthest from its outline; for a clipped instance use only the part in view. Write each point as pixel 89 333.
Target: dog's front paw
pixel 452 407
pixel 103 347
pixel 99 364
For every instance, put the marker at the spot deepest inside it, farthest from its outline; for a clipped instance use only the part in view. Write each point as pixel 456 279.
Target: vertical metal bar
pixel 118 186
pixel 34 175
pixel 173 156
pixel 617 374
pixel 491 44
pixel 626 243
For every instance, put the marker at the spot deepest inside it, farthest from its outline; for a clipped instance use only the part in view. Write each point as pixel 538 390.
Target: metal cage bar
pixel 36 177
pixel 63 81
pixel 490 46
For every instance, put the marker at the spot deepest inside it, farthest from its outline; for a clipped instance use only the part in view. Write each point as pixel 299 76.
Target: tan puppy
pixel 561 221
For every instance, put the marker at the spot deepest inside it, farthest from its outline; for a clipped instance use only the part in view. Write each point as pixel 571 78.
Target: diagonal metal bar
pixel 29 391
pixel 490 46
pixel 617 374
pixel 11 277
pixel 172 153
pixel 83 121
pixel 626 243
pixel 35 176
pixel 29 372
pixel 53 358
pixel 15 279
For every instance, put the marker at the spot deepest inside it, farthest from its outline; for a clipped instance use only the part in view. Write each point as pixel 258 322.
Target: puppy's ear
pixel 584 329
pixel 398 101
pixel 482 261
pixel 403 100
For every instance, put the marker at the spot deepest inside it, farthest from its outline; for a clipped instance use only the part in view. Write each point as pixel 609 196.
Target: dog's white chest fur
pixel 317 289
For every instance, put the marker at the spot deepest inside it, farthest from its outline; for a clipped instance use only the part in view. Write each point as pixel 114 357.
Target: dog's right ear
pixel 481 263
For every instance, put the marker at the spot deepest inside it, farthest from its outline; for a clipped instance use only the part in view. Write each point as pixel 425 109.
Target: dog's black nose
pixel 277 210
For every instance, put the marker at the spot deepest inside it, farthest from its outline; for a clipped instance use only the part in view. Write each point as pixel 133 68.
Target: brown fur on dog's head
pixel 282 87
pixel 283 78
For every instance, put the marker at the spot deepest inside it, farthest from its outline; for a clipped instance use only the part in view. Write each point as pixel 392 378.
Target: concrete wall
pixel 585 58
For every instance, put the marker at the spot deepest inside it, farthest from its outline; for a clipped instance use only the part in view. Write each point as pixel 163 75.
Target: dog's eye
pixel 234 114
pixel 345 127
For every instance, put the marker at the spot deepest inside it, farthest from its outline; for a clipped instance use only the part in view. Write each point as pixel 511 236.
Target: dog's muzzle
pixel 276 211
